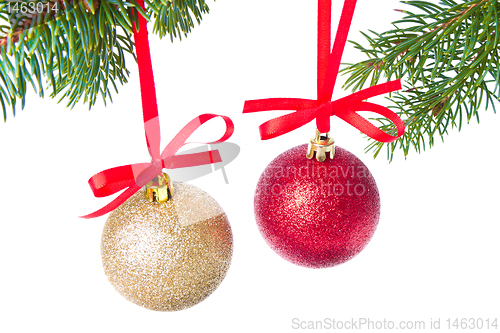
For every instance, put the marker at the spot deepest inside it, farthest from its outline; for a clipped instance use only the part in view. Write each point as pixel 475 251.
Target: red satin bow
pixel 322 108
pixel 133 177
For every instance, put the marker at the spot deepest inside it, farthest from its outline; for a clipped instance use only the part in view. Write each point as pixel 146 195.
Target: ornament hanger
pixel 323 107
pixel 133 177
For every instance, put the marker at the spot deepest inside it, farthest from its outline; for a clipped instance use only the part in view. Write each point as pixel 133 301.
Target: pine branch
pixel 174 18
pixel 78 49
pixel 448 54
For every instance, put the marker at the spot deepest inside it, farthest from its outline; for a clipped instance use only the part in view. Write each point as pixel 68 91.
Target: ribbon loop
pixel 323 108
pixel 350 116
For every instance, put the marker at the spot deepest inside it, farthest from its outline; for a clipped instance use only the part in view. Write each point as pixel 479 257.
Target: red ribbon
pixel 133 177
pixel 323 108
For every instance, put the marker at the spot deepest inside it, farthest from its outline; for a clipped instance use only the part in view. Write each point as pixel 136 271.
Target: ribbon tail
pixel 351 117
pixel 115 203
pixel 180 139
pixel 372 91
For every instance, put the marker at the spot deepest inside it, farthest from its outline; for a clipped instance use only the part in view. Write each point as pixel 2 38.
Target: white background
pixel 435 253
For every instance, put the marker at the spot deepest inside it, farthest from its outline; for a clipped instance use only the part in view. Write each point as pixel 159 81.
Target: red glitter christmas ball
pixel 317 214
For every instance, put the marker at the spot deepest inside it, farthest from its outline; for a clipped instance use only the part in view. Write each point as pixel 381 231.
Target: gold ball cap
pixel 159 189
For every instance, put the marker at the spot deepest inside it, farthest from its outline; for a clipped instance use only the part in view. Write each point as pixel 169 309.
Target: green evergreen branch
pixel 78 52
pixel 449 56
pixel 174 17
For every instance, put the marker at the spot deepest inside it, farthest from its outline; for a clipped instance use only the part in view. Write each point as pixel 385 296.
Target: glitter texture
pixel 317 214
pixel 167 256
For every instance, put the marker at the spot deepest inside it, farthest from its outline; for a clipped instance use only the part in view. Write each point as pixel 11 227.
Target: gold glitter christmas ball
pixel 167 256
